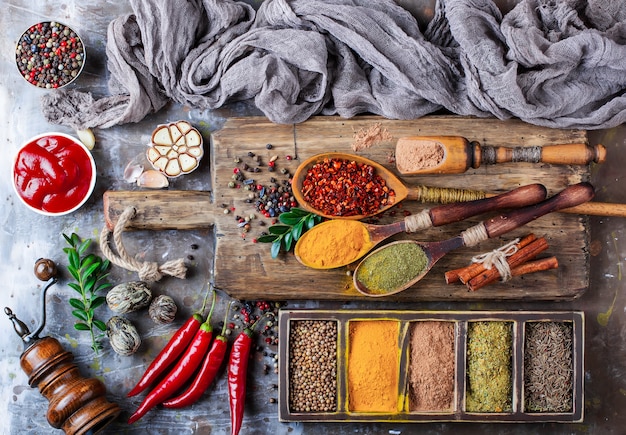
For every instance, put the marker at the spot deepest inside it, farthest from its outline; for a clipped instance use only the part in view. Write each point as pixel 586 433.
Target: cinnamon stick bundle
pixel 520 257
pixel 464 274
pixel 476 275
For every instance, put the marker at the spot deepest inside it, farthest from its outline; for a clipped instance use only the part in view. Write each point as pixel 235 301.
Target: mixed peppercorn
pixel 49 55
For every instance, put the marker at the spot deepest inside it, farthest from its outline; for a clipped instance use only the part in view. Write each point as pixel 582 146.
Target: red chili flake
pixel 341 187
pixel 271 164
pixel 236 171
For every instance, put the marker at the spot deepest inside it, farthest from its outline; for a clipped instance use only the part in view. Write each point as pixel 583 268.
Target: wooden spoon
pixel 454 154
pixel 359 238
pixel 571 196
pixel 401 190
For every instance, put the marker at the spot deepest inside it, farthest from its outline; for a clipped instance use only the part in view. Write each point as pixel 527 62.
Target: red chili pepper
pixel 237 373
pixel 177 345
pixel 211 365
pixel 182 371
pixel 174 348
pixel 184 368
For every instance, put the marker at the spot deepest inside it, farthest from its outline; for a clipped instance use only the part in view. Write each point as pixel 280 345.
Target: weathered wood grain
pixel 246 270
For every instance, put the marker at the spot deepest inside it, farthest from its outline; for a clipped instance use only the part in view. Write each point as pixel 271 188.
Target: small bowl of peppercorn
pixel 50 55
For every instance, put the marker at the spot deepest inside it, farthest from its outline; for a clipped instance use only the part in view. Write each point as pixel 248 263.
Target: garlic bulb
pixel 123 336
pixel 176 148
pixel 129 297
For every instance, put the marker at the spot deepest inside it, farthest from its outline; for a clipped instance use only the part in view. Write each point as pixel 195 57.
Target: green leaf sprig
pixel 294 223
pixel 89 271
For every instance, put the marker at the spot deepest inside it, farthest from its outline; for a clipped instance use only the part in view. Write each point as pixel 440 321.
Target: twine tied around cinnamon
pixel 148 271
pixel 497 258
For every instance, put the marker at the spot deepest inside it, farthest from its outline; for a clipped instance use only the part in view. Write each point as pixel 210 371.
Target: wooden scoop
pixel 359 238
pixel 455 155
pixel 571 196
pixel 402 192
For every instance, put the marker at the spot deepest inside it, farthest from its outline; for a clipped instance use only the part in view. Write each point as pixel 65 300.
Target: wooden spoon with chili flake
pixel 384 257
pixel 401 191
pixel 354 239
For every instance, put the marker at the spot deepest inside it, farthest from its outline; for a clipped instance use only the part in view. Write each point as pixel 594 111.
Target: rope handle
pixel 148 271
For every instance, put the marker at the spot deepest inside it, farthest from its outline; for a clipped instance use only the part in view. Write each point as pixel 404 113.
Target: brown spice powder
pixel 432 363
pixel 414 155
pixel 366 137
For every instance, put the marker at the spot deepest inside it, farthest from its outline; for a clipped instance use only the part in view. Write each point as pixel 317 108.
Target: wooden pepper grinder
pixel 77 405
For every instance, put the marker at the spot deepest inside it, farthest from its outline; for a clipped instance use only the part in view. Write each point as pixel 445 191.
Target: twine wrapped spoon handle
pixel 571 196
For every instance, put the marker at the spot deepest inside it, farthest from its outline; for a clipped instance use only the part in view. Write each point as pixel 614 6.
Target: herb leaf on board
pixel 292 225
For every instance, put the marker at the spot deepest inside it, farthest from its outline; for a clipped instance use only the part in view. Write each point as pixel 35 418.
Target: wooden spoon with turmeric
pixel 339 242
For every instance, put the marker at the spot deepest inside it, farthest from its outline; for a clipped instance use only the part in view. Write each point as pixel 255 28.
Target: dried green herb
pixel 89 271
pixel 489 381
pixel 292 225
pixel 392 267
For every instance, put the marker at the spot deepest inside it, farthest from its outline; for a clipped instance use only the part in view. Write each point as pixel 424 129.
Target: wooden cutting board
pixel 245 269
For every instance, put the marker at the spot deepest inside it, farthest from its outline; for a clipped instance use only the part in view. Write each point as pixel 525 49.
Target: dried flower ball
pixel 163 309
pixel 123 336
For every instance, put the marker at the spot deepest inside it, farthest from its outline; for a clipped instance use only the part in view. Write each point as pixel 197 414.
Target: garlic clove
pixel 87 137
pixel 132 172
pixel 153 179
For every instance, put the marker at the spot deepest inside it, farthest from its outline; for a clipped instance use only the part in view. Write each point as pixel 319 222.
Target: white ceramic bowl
pixel 53 174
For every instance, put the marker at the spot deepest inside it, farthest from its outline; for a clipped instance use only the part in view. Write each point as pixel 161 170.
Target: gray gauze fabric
pixel 551 63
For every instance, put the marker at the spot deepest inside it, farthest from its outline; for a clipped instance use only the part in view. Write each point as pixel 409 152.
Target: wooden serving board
pixel 245 269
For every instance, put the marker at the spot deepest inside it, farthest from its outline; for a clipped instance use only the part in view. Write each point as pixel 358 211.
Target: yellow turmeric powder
pixel 373 366
pixel 333 243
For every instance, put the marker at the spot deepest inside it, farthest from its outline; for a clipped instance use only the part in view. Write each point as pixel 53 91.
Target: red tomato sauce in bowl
pixel 54 174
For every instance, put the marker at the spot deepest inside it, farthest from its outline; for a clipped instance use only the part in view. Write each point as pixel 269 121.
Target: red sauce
pixel 53 174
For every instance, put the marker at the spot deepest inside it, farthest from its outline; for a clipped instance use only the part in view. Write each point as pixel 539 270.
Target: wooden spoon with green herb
pixel 410 260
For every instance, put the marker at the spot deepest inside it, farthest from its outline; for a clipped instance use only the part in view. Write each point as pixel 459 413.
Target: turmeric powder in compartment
pixel 373 366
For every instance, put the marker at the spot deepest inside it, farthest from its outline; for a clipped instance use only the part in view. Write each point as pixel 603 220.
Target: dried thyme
pixel 548 367
pixel 489 367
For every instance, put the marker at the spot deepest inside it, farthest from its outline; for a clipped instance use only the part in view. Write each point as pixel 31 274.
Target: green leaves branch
pixel 292 225
pixel 89 271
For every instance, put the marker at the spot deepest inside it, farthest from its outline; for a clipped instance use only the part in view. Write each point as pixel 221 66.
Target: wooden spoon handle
pixel 520 197
pixel 569 197
pixel 562 154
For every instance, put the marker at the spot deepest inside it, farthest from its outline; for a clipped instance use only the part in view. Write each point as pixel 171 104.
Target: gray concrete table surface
pixel 26 236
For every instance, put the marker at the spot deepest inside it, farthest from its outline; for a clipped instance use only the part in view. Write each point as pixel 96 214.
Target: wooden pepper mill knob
pixel 77 405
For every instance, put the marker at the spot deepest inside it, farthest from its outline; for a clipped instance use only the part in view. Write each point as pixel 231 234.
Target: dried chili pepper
pixel 210 367
pixel 174 348
pixel 182 371
pixel 342 187
pixel 237 372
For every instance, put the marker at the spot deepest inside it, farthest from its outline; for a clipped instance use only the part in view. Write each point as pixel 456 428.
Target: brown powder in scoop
pixel 432 363
pixel 414 155
pixel 366 137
